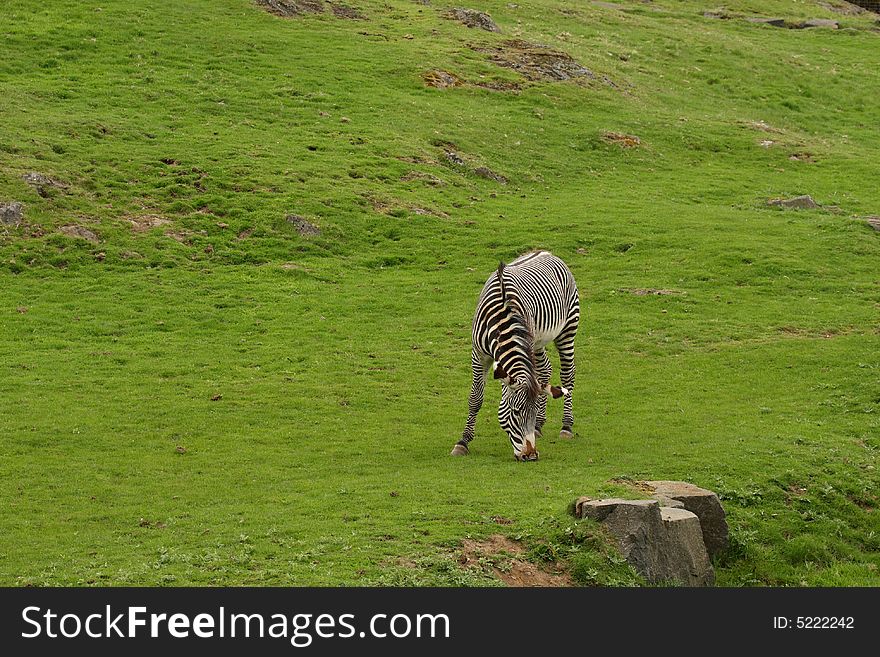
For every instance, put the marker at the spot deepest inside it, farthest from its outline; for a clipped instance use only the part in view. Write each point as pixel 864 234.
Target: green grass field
pixel 192 392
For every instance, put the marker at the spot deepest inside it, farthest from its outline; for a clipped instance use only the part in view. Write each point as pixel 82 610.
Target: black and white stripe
pixel 524 306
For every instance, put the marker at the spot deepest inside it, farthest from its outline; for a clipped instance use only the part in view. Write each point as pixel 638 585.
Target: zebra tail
pixel 501 281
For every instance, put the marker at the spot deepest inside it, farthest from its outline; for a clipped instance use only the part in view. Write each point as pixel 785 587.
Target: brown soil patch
pixel 648 291
pixel 81 232
pixel 486 172
pixel 621 139
pixel 393 207
pixel 421 176
pixel 380 206
pixel 472 18
pixel 534 61
pixel 498 85
pixel 428 212
pixel 801 157
pixel 144 222
pixel 760 125
pixel 500 552
pixel 182 236
pixel 439 79
pixel 291 8
pixel 416 159
pixel 642 486
pixel 795 490
pixel 344 11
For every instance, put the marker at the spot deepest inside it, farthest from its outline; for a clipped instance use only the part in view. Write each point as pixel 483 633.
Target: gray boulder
pixel 775 22
pixel 10 213
pixel 804 202
pixel 472 18
pixel 701 502
pixel 821 22
pixel 661 544
pixel 688 559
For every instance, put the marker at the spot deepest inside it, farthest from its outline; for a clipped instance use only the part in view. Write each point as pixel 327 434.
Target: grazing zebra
pixel 524 306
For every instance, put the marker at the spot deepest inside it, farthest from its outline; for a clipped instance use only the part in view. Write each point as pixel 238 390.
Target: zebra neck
pixel 511 348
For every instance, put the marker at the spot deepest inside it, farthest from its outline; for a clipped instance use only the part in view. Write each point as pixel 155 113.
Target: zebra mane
pixel 522 332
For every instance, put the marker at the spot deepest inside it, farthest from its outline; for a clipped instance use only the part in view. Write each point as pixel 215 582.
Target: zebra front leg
pixel 475 401
pixel 544 371
pixel 565 345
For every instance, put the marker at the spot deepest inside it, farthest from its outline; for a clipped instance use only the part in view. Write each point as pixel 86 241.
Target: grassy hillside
pixel 236 310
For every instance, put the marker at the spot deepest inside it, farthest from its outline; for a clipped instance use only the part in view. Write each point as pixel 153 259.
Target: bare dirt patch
pixel 621 139
pixel 498 85
pixel 439 79
pixel 291 8
pixel 534 61
pixel 763 126
pixel 802 202
pixel 416 159
pixel 488 174
pixel 501 555
pixel 421 176
pixel 651 291
pixel 143 222
pixel 344 11
pixel 81 232
pixel 428 212
pixel 641 486
pixel 182 236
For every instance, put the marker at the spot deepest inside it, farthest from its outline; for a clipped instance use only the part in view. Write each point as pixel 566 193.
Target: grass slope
pixel 342 359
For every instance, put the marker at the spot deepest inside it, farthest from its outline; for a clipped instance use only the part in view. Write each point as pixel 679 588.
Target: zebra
pixel 524 306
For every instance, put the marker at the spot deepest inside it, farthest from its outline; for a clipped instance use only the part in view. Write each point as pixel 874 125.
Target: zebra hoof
pixel 566 433
pixel 459 450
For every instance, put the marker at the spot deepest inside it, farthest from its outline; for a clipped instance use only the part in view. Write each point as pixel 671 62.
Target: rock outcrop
pixel 702 503
pixel 663 544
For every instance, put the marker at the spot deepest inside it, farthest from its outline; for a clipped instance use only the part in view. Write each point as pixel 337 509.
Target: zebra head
pixel 518 410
